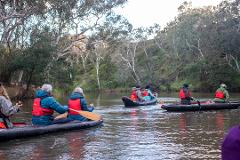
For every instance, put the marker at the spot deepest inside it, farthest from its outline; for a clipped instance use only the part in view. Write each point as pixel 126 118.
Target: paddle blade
pixel 90 115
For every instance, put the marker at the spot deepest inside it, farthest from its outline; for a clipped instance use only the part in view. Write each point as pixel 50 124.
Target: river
pixel 146 132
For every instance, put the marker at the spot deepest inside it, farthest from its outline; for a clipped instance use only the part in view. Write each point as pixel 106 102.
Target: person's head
pixel 185 85
pixel 231 144
pixel 147 87
pixel 138 87
pixel 47 88
pixel 133 88
pixel 223 85
pixel 78 90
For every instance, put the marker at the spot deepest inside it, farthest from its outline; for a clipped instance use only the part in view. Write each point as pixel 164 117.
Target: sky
pixel 145 13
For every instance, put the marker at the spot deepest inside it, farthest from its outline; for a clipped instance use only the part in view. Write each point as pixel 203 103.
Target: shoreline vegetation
pixel 19 92
pixel 200 47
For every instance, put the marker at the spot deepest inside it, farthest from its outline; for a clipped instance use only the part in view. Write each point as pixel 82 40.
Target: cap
pixel 223 85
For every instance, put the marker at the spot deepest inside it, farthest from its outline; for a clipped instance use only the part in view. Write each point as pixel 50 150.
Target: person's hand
pixel 19 104
pixel 66 107
pixel 193 99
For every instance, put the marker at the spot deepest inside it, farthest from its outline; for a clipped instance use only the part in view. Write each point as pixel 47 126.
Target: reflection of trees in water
pixel 98 100
pixel 220 123
pixel 76 145
pixel 183 125
pixel 2 155
pixel 138 117
pixel 197 132
pixel 72 145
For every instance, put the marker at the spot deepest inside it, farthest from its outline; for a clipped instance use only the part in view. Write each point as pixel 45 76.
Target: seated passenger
pixel 78 102
pixel 147 94
pixel 44 106
pixel 6 108
pixel 134 94
pixel 221 95
pixel 139 93
pixel 185 95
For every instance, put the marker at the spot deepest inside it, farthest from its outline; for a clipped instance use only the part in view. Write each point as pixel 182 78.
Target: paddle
pixel 199 104
pixel 88 115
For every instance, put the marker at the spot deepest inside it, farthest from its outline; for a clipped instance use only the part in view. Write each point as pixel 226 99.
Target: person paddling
pixel 44 106
pixel 77 102
pixel 7 109
pixel 221 95
pixel 185 95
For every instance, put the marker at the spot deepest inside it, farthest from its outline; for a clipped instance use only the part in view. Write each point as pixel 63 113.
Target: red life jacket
pixel 74 104
pixel 134 96
pixel 145 93
pixel 182 94
pixel 2 125
pixel 38 110
pixel 219 94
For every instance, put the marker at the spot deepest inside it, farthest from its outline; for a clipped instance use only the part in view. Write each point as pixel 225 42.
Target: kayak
pixel 129 103
pixel 200 107
pixel 24 131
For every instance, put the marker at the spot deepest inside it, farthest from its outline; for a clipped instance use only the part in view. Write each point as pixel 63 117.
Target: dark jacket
pixel 84 106
pixel 47 101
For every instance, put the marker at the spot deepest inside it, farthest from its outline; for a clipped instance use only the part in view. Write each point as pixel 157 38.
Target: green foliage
pixel 200 47
pixel 107 72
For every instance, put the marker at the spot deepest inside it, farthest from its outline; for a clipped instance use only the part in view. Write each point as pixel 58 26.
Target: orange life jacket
pixel 134 96
pixel 182 94
pixel 74 104
pixel 2 125
pixel 38 110
pixel 145 93
pixel 219 94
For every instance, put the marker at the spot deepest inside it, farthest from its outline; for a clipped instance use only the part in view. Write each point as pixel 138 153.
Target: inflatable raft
pixel 200 107
pixel 24 131
pixel 129 103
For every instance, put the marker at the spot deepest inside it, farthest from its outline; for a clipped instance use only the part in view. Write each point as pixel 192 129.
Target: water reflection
pixel 183 125
pixel 146 132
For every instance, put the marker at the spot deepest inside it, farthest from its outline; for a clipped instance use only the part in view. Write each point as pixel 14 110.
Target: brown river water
pixel 141 133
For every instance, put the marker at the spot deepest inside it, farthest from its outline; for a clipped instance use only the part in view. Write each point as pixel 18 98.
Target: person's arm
pixel 150 93
pixel 226 95
pixel 7 108
pixel 139 94
pixel 52 103
pixel 84 105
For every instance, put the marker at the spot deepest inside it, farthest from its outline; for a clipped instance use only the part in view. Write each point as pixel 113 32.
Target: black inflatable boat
pixel 129 103
pixel 24 131
pixel 200 106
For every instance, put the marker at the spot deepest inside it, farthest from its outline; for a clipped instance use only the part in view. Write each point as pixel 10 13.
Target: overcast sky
pixel 144 13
